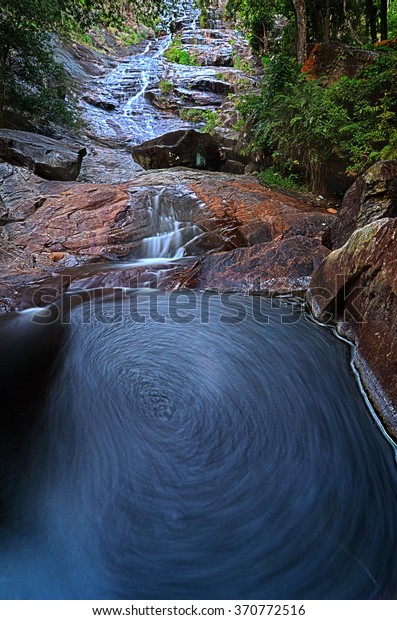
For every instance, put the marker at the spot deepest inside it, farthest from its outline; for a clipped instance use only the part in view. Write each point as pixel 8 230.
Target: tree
pixel 383 20
pixel 300 30
pixel 370 16
pixel 30 80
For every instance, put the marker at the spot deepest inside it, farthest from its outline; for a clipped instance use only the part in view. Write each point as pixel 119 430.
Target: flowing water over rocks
pixel 185 444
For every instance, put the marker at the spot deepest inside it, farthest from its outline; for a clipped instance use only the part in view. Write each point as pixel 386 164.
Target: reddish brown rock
pixel 31 290
pixel 56 256
pixel 75 220
pixel 278 267
pixel 20 193
pixel 252 212
pixel 373 196
pixel 356 288
pixel 50 226
pixel 334 60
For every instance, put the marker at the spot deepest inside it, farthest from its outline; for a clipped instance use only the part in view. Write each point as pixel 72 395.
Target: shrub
pixel 304 125
pixel 177 54
pixel 211 119
pixel 274 178
pixel 166 86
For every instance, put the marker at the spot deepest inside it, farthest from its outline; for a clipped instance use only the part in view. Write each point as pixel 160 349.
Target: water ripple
pixel 199 460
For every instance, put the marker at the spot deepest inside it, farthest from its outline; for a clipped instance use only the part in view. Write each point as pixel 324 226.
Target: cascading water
pixel 188 445
pixel 171 233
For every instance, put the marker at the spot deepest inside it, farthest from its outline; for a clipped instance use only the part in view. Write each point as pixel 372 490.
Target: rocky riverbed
pixel 87 215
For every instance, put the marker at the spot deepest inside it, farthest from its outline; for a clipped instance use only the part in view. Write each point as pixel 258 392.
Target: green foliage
pixel 31 82
pixel 273 178
pixel 166 86
pixel 392 18
pixel 211 119
pixel 204 5
pixel 256 17
pixel 305 126
pixel 194 115
pixel 128 36
pixel 177 54
pixel 81 15
pixel 241 64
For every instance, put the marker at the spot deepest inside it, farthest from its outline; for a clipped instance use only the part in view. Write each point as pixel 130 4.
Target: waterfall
pixel 171 234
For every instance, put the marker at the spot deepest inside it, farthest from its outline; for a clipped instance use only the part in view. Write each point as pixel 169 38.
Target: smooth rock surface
pixel 356 288
pixel 48 226
pixel 188 148
pixel 279 267
pixel 373 196
pixel 48 158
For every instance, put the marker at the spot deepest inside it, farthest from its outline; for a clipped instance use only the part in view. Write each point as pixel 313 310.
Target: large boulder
pixel 48 158
pixel 188 148
pixel 356 289
pixel 373 196
pixel 274 268
pixel 331 61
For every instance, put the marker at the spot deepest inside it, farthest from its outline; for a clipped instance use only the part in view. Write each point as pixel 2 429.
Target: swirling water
pixel 151 452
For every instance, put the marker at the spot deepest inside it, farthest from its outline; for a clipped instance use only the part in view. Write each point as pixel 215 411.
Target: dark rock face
pixel 44 156
pixel 356 288
pixel 183 97
pixel 188 148
pixel 278 267
pixel 373 196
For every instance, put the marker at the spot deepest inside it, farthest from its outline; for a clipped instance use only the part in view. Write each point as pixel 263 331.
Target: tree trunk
pixel 3 81
pixel 301 31
pixel 383 20
pixel 327 22
pixel 265 40
pixel 370 16
pixel 353 33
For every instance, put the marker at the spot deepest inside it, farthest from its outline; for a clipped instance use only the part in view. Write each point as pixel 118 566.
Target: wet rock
pixel 48 158
pixel 204 243
pixel 233 167
pixel 213 46
pixel 356 289
pixel 101 100
pixel 373 196
pixel 277 267
pixel 50 226
pixel 30 290
pixel 208 84
pixel 188 148
pixel 20 192
pixel 181 98
pixel 208 47
pixel 73 220
pixel 238 202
